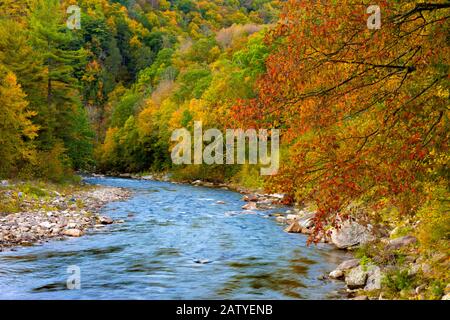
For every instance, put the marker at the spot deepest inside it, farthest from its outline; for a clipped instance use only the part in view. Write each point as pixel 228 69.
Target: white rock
pixel 336 274
pixel 73 233
pixel 46 225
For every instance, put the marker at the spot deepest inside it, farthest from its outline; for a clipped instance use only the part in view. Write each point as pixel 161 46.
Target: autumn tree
pixel 364 112
pixel 16 128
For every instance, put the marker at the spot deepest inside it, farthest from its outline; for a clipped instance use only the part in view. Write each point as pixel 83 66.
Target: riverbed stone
pixel 105 220
pixel 250 206
pixel 294 227
pixel 73 232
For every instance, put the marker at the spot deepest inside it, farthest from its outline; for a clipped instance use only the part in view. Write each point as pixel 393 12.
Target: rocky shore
pixel 52 214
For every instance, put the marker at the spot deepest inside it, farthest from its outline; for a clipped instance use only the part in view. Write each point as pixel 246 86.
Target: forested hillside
pixel 117 85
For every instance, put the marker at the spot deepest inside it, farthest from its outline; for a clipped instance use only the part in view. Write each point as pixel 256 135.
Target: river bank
pixel 35 212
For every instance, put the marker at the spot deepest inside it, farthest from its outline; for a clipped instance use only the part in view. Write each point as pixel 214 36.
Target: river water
pixel 176 243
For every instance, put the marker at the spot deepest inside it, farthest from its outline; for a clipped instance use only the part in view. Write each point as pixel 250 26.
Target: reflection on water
pixel 177 243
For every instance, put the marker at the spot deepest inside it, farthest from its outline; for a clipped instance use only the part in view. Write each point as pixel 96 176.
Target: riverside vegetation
pixel 363 114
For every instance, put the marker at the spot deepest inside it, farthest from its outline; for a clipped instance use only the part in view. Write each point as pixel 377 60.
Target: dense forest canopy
pixel 363 112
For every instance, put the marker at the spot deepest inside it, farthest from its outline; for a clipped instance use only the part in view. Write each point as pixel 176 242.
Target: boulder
pixel 73 232
pixel 105 220
pixel 398 243
pixel 446 297
pixel 337 274
pixel 294 227
pixel 351 234
pixel 373 279
pixel 306 220
pixel 250 198
pixel 220 202
pixel 292 217
pixel 250 206
pixel 348 264
pixel 356 278
pixel 46 225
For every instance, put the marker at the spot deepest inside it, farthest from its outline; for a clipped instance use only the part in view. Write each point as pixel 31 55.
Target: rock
pixel 202 261
pixel 336 274
pixel 420 288
pixel 426 269
pixel 46 225
pixel 348 264
pixel 5 183
pixel 279 196
pixel 414 269
pixel 72 225
pixel 73 232
pixel 197 183
pixel 292 217
pixel 356 278
pixel 351 234
pixel 105 220
pixel 149 177
pixel 373 279
pixel 250 206
pixel 280 219
pixel 446 297
pixel 55 230
pixel 307 220
pixel 220 202
pixel 294 228
pixel 250 198
pixel 401 242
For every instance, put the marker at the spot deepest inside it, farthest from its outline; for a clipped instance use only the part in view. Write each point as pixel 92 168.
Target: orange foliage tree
pixel 364 113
